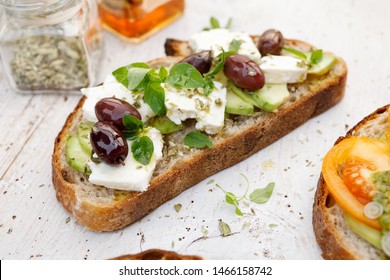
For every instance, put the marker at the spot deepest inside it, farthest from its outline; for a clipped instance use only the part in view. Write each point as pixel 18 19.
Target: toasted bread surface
pixel 102 209
pixel 333 235
pixel 157 254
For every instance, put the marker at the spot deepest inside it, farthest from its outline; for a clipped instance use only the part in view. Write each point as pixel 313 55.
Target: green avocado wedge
pixel 235 105
pixel 371 235
pixel 271 96
pixel 164 125
pixel 76 156
pixel 83 132
pixel 323 66
pixel 243 95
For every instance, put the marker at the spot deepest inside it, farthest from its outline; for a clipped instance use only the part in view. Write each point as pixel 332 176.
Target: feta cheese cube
pixel 216 39
pixel 209 111
pixel 283 69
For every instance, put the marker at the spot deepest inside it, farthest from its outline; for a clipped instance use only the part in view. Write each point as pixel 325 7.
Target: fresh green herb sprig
pixel 196 139
pixel 214 24
pixel 315 56
pixel 142 146
pixel 235 45
pixel 259 196
pixel 184 75
pixel 139 77
pixel 220 59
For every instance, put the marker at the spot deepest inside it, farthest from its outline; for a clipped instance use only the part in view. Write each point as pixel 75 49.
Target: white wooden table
pixel 34 225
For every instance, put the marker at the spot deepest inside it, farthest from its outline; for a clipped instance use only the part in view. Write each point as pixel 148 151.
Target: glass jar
pixel 136 20
pixel 50 46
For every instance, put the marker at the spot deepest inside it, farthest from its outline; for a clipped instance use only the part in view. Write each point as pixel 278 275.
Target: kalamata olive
pixel 201 61
pixel 113 109
pixel 271 42
pixel 243 72
pixel 109 143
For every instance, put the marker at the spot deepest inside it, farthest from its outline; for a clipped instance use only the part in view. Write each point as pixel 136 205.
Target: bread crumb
pixel 303 138
pixel 268 164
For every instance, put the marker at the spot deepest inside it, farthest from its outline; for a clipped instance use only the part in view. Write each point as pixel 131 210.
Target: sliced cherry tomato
pixel 354 154
pixel 353 175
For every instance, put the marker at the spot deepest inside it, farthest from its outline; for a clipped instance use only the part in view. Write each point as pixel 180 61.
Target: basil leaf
pixel 155 97
pixel 235 45
pixel 221 58
pixel 163 73
pixel 139 65
pixel 153 76
pixel 129 135
pixel 197 140
pixel 120 75
pixel 238 211
pixel 261 196
pixel 230 198
pixel 208 87
pixel 135 76
pixel 185 75
pixel 142 149
pixel 214 23
pixel 229 23
pixel 296 52
pixel 132 124
pixel 316 57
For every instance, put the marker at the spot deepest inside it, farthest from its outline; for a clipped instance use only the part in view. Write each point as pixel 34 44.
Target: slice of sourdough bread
pixel 157 254
pixel 334 236
pixel 102 209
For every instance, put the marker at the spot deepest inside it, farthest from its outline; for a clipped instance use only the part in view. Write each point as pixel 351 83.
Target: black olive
pixel 244 72
pixel 108 143
pixel 271 42
pixel 113 109
pixel 201 61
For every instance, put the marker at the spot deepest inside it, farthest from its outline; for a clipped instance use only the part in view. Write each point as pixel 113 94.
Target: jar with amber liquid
pixel 136 20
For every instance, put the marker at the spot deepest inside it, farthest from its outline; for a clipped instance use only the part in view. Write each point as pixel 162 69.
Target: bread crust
pixel 157 254
pixel 332 243
pixel 224 154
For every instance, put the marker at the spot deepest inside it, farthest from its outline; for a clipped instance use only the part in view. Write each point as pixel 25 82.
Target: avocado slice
pixel 322 67
pixel 235 105
pixel 75 155
pixel 83 132
pixel 164 124
pixel 244 96
pixel 271 96
pixel 371 235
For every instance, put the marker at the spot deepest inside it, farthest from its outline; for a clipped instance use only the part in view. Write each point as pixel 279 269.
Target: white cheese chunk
pixel 216 39
pixel 283 69
pixel 132 176
pixel 112 88
pixel 209 111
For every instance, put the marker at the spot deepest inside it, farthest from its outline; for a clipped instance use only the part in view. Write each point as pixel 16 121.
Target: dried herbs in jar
pixel 50 49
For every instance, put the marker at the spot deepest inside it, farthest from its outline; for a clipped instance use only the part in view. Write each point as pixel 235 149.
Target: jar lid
pixel 41 12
